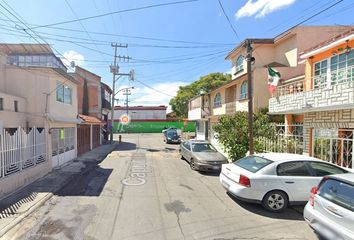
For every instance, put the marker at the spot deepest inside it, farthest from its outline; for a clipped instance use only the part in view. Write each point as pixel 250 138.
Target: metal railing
pixel 290 88
pixel 286 138
pixel 21 150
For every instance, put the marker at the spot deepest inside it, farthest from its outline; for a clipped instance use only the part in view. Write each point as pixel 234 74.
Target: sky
pixel 169 45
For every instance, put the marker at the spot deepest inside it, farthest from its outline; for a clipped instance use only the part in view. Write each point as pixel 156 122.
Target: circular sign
pixel 124 119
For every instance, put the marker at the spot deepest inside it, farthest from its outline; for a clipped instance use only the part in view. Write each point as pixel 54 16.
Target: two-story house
pixel 89 134
pixel 38 97
pixel 280 53
pixel 326 105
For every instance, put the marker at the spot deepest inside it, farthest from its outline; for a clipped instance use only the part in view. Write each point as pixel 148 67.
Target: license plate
pixel 225 184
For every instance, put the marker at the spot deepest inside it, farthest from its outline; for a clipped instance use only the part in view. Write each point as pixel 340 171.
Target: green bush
pixel 232 133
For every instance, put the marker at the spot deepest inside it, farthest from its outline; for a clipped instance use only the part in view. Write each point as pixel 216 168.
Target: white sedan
pixel 275 179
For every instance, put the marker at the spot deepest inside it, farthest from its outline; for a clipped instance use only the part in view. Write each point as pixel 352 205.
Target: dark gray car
pixel 202 156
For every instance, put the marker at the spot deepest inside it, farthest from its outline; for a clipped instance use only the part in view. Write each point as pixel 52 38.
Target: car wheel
pixel 275 201
pixel 192 164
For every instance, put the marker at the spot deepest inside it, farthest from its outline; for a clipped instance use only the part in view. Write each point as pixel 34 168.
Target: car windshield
pixel 172 134
pixel 203 147
pixel 252 163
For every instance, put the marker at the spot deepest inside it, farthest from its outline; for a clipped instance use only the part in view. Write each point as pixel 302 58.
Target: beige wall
pixel 31 85
pixel 8 116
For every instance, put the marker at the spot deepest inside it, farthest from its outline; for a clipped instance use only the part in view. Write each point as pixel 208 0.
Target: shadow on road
pixel 288 214
pixel 211 174
pixel 126 146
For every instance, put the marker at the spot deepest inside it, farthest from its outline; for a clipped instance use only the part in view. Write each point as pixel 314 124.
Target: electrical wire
pixel 115 12
pixel 227 18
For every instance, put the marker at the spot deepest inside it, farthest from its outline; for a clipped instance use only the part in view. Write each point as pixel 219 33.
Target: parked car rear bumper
pixel 324 226
pixel 240 192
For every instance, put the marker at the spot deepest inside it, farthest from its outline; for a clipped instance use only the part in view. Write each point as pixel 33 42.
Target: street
pixel 143 190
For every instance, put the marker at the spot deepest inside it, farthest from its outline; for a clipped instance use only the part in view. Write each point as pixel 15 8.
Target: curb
pixel 18 219
pixel 43 200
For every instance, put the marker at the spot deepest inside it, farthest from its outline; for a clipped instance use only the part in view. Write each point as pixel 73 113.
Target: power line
pixel 83 27
pixel 115 12
pixel 154 89
pixel 129 36
pixel 227 18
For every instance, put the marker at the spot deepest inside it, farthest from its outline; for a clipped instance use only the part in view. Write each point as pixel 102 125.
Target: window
pixel 323 169
pixel 342 68
pixel 1 104
pixel 217 100
pixel 253 163
pixel 187 146
pixel 243 94
pixel 16 106
pixel 203 147
pixel 293 169
pixel 320 74
pixel 239 63
pixel 64 93
pixel 338 192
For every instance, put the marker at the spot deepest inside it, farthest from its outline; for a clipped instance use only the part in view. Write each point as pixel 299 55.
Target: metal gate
pixel 96 135
pixel 83 139
pixel 335 146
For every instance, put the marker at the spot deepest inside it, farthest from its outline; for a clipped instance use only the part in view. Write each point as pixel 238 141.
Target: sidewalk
pixel 23 202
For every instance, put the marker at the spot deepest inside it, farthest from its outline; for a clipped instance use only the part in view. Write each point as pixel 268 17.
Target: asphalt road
pixel 145 191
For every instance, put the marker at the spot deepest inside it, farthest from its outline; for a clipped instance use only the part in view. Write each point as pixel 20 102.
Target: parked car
pixel 275 179
pixel 172 136
pixel 202 156
pixel 330 211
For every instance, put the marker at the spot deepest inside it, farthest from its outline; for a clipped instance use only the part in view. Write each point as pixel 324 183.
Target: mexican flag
pixel 273 79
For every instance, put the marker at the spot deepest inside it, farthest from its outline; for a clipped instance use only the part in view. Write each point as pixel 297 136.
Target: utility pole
pixel 249 60
pixel 115 72
pixel 127 93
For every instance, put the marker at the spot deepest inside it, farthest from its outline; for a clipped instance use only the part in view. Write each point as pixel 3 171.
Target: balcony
pixel 335 93
pixel 196 110
pixel 290 88
pixel 231 107
pixel 238 71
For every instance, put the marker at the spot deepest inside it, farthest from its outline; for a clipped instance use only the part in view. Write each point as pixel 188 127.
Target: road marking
pixel 137 173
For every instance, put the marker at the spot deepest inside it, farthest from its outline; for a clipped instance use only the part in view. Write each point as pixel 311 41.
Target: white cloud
pixel 148 97
pixel 260 8
pixel 71 55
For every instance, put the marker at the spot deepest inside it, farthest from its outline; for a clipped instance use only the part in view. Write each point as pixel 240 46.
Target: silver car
pixel 330 211
pixel 202 156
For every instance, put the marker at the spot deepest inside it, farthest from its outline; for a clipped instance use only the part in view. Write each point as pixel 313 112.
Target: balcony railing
pixel 231 107
pixel 290 88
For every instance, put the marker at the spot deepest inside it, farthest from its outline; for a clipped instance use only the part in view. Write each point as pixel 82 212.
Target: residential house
pixel 106 98
pixel 326 104
pixel 38 114
pixel 89 134
pixel 280 53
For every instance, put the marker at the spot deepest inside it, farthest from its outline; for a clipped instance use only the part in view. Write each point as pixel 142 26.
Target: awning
pixel 54 118
pixel 90 120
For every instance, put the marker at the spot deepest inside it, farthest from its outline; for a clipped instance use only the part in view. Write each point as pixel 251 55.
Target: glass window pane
pixel 334 60
pixel 317 66
pixel 293 169
pixel 67 95
pixel 324 64
pixel 60 92
pixel 323 169
pixel 253 163
pixel 342 57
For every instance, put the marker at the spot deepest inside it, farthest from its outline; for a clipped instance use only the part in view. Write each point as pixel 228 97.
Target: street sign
pixel 124 119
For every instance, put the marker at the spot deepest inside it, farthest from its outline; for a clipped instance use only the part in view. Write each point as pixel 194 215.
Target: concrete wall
pixel 142 114
pixel 8 116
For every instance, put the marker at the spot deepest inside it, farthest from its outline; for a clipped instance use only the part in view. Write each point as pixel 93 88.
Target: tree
pixel 85 99
pixel 232 132
pixel 185 93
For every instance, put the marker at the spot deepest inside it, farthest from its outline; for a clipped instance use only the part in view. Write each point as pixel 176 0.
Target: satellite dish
pixel 72 64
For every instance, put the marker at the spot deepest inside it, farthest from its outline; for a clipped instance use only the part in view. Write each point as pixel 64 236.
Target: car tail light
pixel 245 181
pixel 314 191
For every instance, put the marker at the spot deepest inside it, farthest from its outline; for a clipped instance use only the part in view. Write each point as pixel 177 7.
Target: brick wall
pixel 337 119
